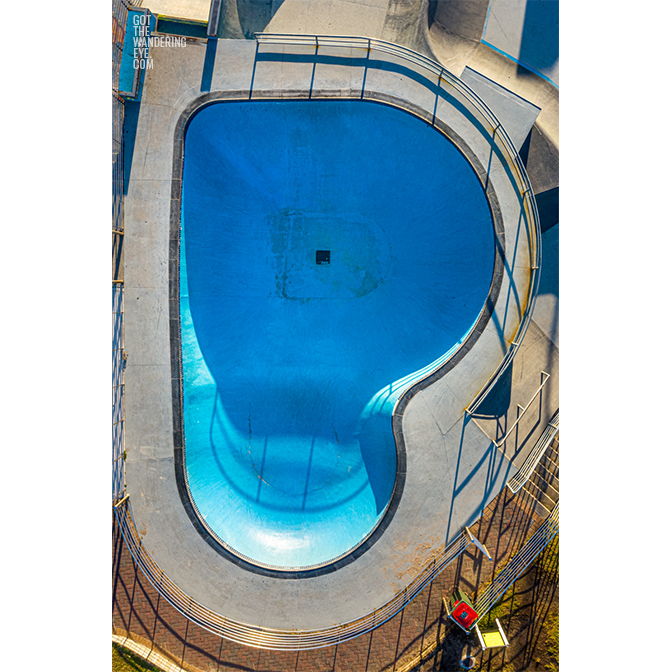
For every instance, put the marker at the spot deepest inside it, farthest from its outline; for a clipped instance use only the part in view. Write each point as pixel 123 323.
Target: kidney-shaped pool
pixel 332 254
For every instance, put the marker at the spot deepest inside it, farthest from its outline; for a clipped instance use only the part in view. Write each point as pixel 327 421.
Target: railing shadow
pixel 445 96
pixel 496 408
pixel 146 617
pixel 545 588
pixel 209 65
pixel 131 116
pixel 465 420
pixel 494 461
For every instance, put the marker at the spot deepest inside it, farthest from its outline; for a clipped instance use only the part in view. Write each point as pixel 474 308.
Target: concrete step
pixel 549 466
pixel 553 455
pixel 539 495
pixel 529 500
pixel 551 477
pixel 549 490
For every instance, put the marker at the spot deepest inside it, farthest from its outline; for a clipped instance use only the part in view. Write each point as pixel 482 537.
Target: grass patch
pixel 552 632
pixel 503 609
pixel 550 565
pixel 124 660
pixel 508 604
pixel 550 560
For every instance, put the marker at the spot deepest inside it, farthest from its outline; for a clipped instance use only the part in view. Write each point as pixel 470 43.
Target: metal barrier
pixel 268 638
pixel 501 442
pixel 118 415
pixel 530 464
pixel 117 164
pixel 519 563
pixel 295 640
pixel 119 13
pixel 119 16
pixel 499 137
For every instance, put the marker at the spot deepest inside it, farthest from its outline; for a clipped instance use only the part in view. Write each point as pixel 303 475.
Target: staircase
pixel 542 490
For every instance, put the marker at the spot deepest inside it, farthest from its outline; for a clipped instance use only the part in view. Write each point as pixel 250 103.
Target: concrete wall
pixel 465 18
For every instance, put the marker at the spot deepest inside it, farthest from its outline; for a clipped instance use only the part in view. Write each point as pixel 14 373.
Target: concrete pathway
pixel 140 613
pixel 453 470
pixel 454 33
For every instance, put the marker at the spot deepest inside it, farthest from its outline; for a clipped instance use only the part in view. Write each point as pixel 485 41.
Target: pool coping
pixel 499 244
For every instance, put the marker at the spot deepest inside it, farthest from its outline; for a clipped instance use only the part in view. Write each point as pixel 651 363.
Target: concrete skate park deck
pixel 453 468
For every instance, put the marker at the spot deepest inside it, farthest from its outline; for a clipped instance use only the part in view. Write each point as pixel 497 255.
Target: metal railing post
pixel 529 403
pixel 303 640
pixel 530 464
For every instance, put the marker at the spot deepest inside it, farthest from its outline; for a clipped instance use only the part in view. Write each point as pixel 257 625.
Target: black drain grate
pixel 322 257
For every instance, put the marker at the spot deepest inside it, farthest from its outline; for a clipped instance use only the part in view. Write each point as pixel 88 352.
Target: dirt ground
pixel 528 612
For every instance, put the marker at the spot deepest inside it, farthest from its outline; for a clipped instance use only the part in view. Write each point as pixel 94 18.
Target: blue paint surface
pixel 292 369
pixel 134 40
pixel 527 33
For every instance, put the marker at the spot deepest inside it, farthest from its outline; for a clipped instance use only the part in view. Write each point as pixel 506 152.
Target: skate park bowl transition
pixel 292 364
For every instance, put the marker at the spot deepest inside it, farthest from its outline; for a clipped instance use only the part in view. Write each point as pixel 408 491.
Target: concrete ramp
pixel 329 17
pixel 526 31
pixel 516 114
pixel 464 19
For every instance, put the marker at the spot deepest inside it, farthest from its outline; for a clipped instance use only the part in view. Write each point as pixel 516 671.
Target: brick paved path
pixel 142 614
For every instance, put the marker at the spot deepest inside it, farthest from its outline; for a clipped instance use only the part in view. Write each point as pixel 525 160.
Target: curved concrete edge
pixel 453 469
pixel 455 52
pixel 208 535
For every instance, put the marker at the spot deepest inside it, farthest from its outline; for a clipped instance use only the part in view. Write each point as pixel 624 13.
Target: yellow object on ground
pixel 493 639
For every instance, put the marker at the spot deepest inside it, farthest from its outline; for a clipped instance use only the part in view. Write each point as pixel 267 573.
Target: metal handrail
pixel 118 396
pixel 519 563
pixel 270 638
pixel 294 640
pixel 501 442
pixel 119 16
pixel 530 464
pixel 513 159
